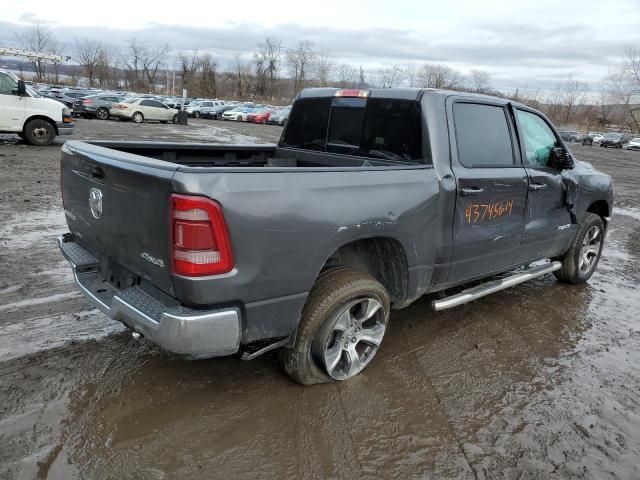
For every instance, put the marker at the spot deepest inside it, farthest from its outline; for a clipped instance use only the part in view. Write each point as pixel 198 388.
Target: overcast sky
pixel 522 44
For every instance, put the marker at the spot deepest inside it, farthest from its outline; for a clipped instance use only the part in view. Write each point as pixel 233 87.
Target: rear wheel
pixel 342 326
pixel 102 113
pixel 580 261
pixel 137 117
pixel 39 132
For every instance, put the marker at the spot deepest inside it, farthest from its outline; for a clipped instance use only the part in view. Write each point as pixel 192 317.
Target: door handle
pixel 471 191
pixel 537 186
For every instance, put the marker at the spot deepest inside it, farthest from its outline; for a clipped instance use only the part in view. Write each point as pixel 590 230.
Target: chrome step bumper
pixel 494 286
pixel 181 330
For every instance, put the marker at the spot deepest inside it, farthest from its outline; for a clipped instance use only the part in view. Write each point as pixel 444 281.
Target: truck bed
pixel 207 155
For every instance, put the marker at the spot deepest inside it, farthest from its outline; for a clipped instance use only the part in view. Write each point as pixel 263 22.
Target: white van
pixel 34 118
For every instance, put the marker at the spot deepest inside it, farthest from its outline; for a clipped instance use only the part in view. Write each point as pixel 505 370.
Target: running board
pixel 494 286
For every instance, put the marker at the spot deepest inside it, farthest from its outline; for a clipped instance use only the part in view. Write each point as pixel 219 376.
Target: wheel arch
pixel 600 208
pixel 383 257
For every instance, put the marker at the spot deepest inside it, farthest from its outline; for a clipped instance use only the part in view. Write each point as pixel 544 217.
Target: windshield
pixel 382 128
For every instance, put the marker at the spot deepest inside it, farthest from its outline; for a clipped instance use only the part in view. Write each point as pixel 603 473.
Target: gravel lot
pixel 539 381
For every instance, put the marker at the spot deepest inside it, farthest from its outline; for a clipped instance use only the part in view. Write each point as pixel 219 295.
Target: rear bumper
pixel 189 332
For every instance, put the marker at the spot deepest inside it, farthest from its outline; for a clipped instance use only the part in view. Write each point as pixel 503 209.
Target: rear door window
pixel 388 129
pixel 482 135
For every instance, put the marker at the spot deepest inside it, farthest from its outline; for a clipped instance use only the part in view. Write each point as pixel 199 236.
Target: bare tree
pixel 208 86
pixel 438 76
pixel 391 77
pixel 480 81
pixel 347 76
pixel 152 58
pixel 188 64
pixel 89 54
pixel 624 92
pixel 323 67
pixel 566 99
pixel 39 39
pixel 300 59
pixel 410 75
pixel 267 59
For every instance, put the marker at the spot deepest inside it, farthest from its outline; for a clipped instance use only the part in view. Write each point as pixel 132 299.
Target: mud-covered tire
pixel 39 132
pixel 571 271
pixel 331 294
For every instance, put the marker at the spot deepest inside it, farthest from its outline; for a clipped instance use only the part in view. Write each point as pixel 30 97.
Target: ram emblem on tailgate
pixel 95 202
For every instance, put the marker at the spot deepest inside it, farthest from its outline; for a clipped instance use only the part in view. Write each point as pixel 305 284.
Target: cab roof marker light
pixel 352 92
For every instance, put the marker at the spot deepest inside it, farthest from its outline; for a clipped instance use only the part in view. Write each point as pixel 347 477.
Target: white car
pixel 239 114
pixel 34 118
pixel 140 109
pixel 597 138
pixel 634 144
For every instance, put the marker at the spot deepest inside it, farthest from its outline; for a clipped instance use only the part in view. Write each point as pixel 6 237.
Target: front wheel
pixel 342 326
pixel 196 114
pixel 39 132
pixel 580 261
pixel 174 120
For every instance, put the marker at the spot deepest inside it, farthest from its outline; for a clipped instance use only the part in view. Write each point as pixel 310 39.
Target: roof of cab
pixel 403 93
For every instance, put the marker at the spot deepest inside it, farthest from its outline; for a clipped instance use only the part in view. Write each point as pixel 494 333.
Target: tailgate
pixel 117 206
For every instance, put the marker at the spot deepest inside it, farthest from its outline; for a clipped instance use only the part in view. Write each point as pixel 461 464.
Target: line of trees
pixel 275 73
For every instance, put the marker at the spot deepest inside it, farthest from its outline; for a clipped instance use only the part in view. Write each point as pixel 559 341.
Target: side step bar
pixel 494 286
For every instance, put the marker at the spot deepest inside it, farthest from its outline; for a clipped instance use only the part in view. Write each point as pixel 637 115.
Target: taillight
pixel 200 238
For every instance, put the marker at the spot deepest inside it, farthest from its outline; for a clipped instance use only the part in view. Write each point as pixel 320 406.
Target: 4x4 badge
pixel 95 202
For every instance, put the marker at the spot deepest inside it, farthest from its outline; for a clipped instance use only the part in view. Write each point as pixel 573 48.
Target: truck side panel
pixel 285 225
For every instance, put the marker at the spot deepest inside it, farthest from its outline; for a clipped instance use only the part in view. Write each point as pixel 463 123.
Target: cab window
pixel 7 85
pixel 539 139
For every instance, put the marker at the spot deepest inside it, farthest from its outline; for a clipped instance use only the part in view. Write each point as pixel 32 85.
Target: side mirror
pixel 22 88
pixel 562 159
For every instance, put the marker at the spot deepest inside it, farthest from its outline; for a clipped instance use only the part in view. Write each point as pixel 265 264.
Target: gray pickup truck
pixel 371 199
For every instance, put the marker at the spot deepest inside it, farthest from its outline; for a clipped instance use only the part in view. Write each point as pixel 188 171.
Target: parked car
pixel 68 97
pixel 196 109
pixel 216 112
pixel 262 246
pixel 612 140
pixel 239 114
pixel 280 117
pixel 140 109
pixel 634 144
pixel 33 117
pixel 97 106
pixel 260 115
pixel 569 135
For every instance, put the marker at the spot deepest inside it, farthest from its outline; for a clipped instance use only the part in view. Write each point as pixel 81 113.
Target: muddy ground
pixel 539 381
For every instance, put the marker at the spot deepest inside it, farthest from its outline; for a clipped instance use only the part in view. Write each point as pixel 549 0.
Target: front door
pixel 491 190
pixel 548 228
pixel 12 106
